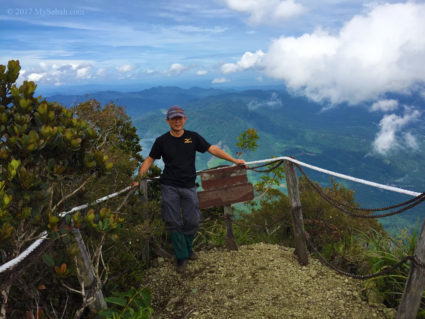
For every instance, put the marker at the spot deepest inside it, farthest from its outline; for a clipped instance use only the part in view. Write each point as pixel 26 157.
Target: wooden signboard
pixel 224 186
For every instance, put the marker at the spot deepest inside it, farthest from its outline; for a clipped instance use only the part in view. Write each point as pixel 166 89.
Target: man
pixel 179 206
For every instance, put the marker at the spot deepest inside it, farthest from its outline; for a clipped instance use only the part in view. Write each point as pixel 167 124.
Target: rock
pixel 373 297
pixel 390 313
pixel 174 300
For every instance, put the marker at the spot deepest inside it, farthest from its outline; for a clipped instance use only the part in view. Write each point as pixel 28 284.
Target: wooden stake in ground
pixel 87 275
pixel 296 213
pixel 415 284
pixel 145 199
pixel 230 237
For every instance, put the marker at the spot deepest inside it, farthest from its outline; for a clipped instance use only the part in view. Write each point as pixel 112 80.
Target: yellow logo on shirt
pixel 188 140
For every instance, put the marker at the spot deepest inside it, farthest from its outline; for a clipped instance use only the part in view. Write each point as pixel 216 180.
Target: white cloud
pixel 190 28
pixel 101 72
pixel 272 103
pixel 247 61
pixel 176 69
pixel 390 136
pixel 219 80
pixel 84 73
pixel 58 72
pixel 229 68
pixel 202 72
pixel 384 106
pixel 266 11
pixel 35 77
pixel 380 51
pixel 126 68
pixel 410 140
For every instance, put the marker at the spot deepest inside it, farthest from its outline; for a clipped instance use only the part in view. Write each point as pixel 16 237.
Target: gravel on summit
pixel 258 281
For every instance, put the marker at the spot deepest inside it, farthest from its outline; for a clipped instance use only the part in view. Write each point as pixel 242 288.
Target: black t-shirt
pixel 178 154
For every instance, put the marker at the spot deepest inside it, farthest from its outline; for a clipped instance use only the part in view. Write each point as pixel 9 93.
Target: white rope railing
pixel 43 236
pixel 343 176
pixel 97 201
pixel 24 254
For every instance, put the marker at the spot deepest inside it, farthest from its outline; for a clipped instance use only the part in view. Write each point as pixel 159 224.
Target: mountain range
pixel 338 138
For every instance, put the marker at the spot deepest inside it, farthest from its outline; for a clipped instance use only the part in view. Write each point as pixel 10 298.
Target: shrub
pixel 382 252
pixel 132 304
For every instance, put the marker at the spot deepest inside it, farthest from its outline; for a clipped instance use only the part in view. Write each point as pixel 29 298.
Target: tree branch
pixel 72 289
pixel 50 191
pixel 73 193
pixel 105 138
pixel 125 199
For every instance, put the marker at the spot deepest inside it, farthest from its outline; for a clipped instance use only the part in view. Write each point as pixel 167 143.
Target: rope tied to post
pixel 270 169
pixel 341 206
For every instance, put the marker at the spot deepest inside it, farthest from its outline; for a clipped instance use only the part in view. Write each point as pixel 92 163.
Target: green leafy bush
pixel 383 252
pixel 131 304
pixel 46 156
pixel 53 159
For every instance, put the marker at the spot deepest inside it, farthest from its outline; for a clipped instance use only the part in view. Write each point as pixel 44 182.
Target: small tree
pixel 247 141
pixel 43 150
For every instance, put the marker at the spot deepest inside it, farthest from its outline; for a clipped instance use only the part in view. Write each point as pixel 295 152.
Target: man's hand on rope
pixel 139 178
pixel 239 161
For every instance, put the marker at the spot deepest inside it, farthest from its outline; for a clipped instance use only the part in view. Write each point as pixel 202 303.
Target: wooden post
pixel 415 284
pixel 230 237
pixel 145 198
pixel 87 274
pixel 296 213
pixel 222 187
pixel 144 189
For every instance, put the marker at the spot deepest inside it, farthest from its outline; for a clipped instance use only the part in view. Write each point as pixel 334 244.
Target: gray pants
pixel 180 209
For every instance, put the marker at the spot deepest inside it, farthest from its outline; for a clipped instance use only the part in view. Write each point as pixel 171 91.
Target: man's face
pixel 177 123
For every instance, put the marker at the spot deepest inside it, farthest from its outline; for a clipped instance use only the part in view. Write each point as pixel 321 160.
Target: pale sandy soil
pixel 258 281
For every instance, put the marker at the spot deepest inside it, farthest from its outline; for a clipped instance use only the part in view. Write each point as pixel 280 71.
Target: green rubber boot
pixel 179 244
pixel 189 244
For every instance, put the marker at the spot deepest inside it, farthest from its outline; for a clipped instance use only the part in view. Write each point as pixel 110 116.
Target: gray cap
pixel 175 111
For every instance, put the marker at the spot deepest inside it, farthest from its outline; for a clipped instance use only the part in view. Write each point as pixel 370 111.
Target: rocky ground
pixel 258 281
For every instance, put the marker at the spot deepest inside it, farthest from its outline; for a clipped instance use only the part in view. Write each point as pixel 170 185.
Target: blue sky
pixel 333 51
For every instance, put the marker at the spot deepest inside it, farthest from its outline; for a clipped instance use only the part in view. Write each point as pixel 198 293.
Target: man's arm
pixel 146 165
pixel 214 150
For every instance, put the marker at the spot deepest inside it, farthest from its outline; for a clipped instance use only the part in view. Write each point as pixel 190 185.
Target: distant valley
pixel 338 139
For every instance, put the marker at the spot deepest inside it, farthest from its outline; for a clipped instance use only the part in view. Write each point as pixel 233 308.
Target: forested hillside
pixel 139 102
pixel 338 139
